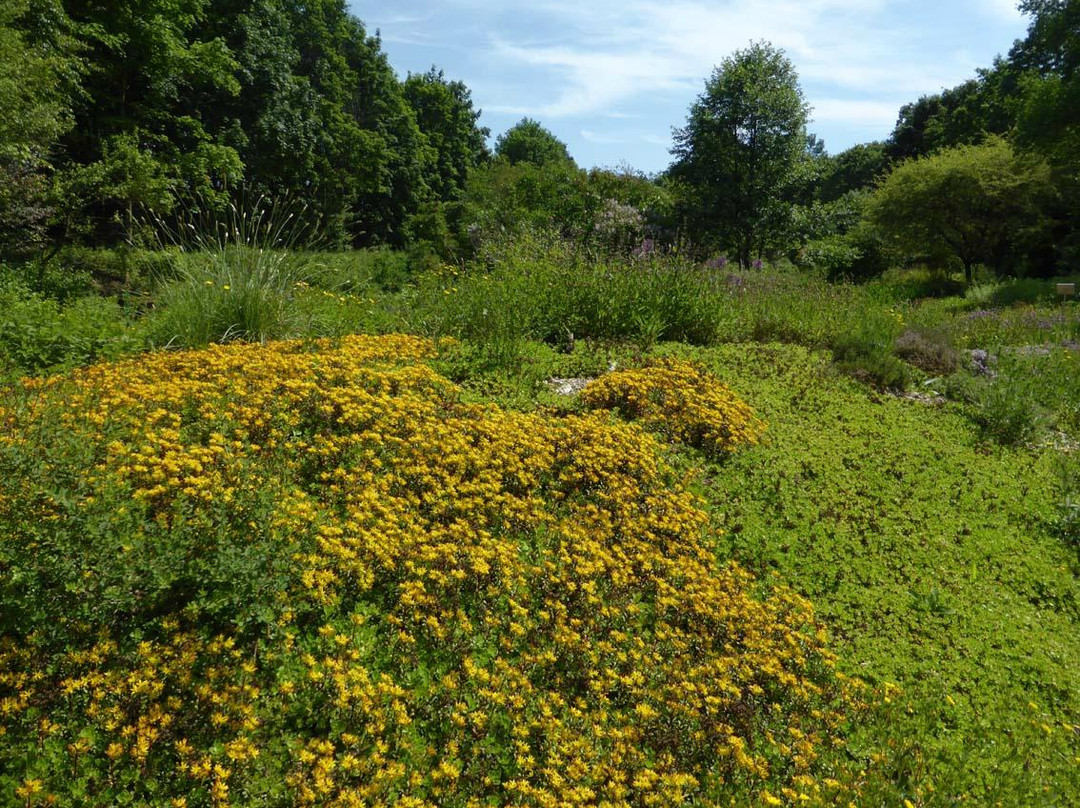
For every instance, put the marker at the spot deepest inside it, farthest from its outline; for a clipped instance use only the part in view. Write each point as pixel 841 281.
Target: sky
pixel 612 78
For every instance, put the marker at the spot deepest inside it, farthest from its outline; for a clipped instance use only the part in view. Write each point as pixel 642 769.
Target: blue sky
pixel 612 77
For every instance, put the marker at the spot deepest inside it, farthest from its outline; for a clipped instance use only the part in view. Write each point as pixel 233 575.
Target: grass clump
pixel 682 401
pixel 238 293
pixel 929 351
pixel 307 573
pixel 237 277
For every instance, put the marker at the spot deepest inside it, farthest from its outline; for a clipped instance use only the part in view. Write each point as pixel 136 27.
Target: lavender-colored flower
pixel 758 264
pixel 645 249
pixel 982 362
pixel 719 262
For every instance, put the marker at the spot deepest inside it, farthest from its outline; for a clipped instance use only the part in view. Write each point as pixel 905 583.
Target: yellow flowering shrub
pixel 681 400
pixel 307 574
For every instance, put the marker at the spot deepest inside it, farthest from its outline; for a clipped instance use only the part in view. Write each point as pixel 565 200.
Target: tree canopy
pixel 738 155
pixel 977 204
pixel 529 142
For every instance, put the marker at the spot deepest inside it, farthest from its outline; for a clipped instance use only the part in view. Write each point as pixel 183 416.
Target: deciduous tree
pixel 738 157
pixel 976 203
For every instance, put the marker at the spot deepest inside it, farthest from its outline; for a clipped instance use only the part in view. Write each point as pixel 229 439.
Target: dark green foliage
pixel 855 169
pixel 1049 118
pixel 961 116
pixel 738 159
pixel 38 71
pixel 182 97
pixel 445 115
pixel 529 142
pixel 972 204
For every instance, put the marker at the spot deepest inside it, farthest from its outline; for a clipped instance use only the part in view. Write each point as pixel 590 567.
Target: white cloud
pixel 612 53
pixel 1002 9
pixel 880 114
pixel 584 66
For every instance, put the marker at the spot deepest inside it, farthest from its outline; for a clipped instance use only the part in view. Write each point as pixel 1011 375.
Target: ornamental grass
pixel 308 574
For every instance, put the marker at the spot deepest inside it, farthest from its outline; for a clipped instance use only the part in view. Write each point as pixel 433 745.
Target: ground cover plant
pixel 941 563
pixel 345 460
pixel 309 573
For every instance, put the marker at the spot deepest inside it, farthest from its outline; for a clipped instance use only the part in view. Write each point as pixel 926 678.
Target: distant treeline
pixel 113 111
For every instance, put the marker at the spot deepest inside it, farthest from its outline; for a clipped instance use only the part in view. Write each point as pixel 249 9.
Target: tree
pixel 852 170
pixel 444 112
pixel 39 73
pixel 529 142
pixel 961 116
pixel 978 204
pixel 739 155
pixel 1049 117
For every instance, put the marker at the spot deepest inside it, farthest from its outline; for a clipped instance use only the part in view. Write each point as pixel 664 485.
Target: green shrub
pixel 833 256
pixel 39 334
pixel 930 351
pixel 1006 414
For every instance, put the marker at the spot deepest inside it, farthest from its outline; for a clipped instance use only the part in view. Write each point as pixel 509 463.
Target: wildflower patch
pixel 307 574
pixel 681 400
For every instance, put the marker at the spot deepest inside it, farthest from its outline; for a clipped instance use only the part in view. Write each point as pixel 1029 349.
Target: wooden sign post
pixel 1066 290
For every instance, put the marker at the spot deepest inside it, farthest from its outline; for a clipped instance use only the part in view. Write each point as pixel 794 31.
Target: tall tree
pixel 39 73
pixel 852 170
pixel 738 156
pixel 445 114
pixel 962 115
pixel 1049 119
pixel 529 142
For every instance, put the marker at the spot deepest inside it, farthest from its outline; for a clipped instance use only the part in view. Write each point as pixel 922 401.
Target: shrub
pixel 39 334
pixel 833 256
pixel 1006 414
pixel 682 401
pixel 304 572
pixel 928 351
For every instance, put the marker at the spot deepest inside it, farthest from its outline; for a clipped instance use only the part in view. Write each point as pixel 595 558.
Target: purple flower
pixel 758 264
pixel 717 263
pixel 645 249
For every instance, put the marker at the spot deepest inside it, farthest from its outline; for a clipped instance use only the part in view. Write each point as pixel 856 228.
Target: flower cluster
pixel 308 574
pixel 681 400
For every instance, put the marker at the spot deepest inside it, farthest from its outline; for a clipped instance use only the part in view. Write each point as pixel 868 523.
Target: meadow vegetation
pixel 345 462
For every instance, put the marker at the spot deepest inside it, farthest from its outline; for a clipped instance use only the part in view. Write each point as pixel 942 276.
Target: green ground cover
pixel 918 481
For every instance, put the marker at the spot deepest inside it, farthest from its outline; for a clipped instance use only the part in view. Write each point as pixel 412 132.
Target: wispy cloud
pixel 613 52
pixel 1003 9
pixel 586 69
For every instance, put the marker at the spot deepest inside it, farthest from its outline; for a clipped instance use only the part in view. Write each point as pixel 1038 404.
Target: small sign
pixel 1066 289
